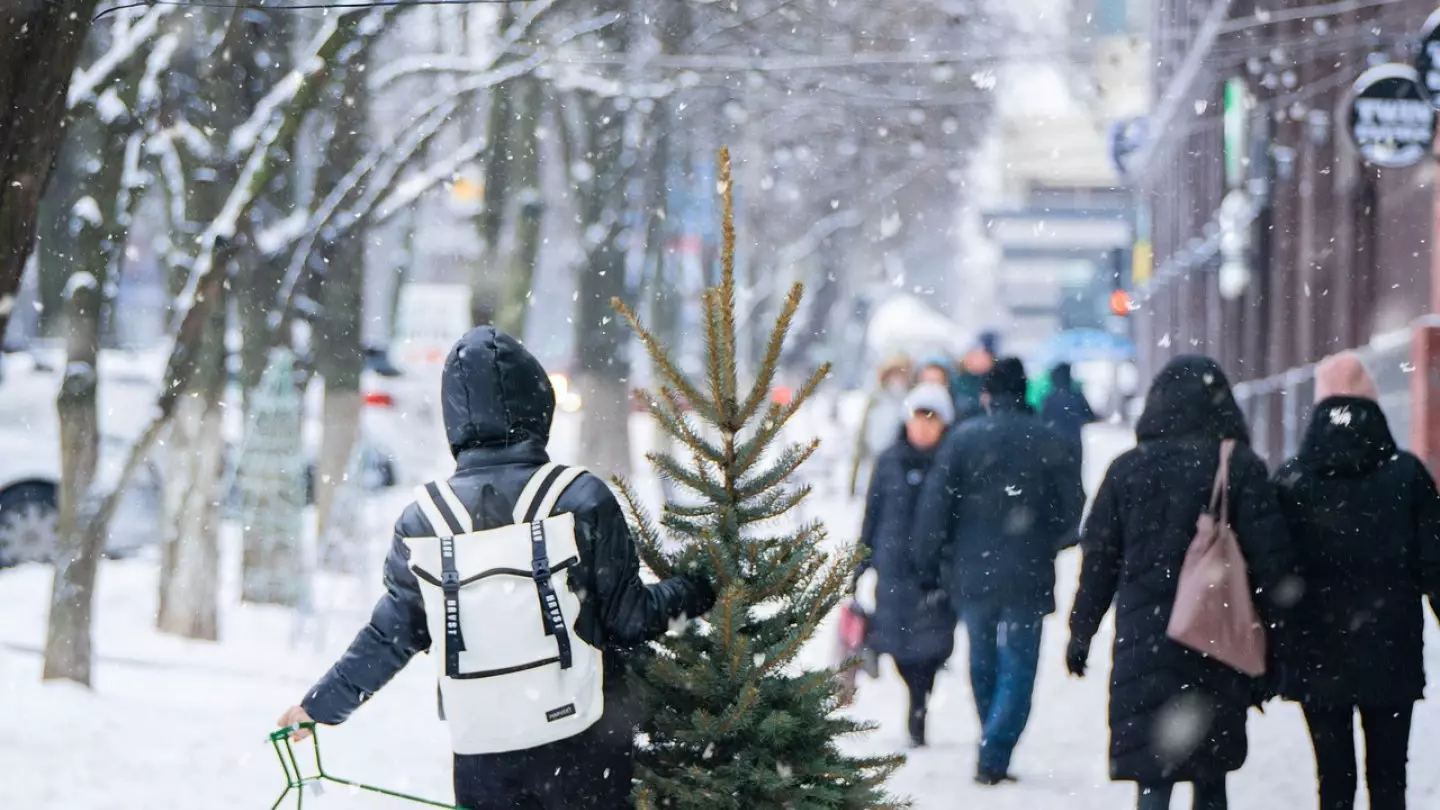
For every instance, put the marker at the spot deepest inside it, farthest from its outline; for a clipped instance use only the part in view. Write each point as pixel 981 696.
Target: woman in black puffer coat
pixel 913 625
pixel 1365 519
pixel 1175 715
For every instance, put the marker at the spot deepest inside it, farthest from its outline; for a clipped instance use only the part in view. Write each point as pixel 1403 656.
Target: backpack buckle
pixel 541 569
pixel 450 579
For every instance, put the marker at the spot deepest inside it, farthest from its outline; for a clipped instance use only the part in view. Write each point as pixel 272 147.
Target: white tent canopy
pixel 904 324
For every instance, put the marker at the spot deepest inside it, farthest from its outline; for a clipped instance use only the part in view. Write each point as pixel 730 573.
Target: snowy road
pixel 175 725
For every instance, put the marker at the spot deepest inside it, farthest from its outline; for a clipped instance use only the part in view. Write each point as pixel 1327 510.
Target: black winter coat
pixel 910 623
pixel 1175 715
pixel 498 405
pixel 1003 496
pixel 1066 410
pixel 1365 520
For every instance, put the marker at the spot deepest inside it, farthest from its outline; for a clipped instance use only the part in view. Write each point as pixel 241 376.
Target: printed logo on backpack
pixel 514 674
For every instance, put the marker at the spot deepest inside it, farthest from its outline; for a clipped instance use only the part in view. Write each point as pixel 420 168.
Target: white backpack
pixel 514 674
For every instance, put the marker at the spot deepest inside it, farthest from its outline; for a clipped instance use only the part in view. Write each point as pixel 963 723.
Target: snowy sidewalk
pixel 177 725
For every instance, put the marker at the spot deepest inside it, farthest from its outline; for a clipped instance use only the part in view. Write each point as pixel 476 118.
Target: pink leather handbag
pixel 1214 611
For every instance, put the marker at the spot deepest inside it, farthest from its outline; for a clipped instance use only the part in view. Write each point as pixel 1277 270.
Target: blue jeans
pixel 1004 656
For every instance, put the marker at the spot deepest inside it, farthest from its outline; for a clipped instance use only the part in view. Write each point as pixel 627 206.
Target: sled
pixel 299 782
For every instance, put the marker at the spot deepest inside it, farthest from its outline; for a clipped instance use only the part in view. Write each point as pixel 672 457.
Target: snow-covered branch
pixel 87 84
pixel 327 40
pixel 572 77
pixel 282 120
pixel 461 64
pixel 408 192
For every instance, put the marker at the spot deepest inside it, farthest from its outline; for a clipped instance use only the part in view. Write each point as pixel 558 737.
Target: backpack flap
pixel 514 674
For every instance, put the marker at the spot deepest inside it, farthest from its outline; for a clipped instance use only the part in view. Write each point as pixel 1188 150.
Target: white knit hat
pixel 933 398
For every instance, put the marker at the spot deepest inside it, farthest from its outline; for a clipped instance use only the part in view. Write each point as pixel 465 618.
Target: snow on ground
pixel 177 725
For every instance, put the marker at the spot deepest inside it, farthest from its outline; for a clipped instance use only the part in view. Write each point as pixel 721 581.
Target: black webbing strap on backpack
pixel 554 619
pixel 531 514
pixel 450 586
pixel 549 600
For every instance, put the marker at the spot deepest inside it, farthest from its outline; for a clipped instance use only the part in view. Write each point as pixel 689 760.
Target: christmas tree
pixel 731 720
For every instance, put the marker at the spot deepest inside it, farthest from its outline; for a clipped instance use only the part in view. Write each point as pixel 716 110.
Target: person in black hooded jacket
pixel 1066 410
pixel 995 509
pixel 498 404
pixel 1365 518
pixel 1175 715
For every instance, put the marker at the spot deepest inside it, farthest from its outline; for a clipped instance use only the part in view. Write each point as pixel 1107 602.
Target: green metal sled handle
pixel 297 781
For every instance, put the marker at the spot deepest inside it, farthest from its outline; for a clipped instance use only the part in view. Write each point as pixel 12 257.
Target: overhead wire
pixel 307 6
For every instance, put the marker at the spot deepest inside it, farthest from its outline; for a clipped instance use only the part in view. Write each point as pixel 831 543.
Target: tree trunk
pixel 332 471
pixel 339 358
pixel 600 335
pixel 486 287
pixel 529 209
pixel 67 642
pixel 190 570
pixel 43 39
pixel 189 603
pixel 55 249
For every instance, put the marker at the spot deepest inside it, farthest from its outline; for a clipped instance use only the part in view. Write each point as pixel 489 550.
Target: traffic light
pixel 1121 303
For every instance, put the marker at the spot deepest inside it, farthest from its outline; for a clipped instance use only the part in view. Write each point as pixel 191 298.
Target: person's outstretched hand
pixel 1077 655
pixel 292 718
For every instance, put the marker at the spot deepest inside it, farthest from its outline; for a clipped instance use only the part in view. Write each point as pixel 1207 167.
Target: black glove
pixel 1077 655
pixel 700 595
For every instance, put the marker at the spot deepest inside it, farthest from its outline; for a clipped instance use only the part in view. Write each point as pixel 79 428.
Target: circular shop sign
pixel 1391 121
pixel 1427 58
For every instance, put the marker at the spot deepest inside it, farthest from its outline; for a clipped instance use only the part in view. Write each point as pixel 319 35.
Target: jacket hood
pixel 1006 379
pixel 1191 398
pixel 1347 436
pixel 494 393
pixel 1061 377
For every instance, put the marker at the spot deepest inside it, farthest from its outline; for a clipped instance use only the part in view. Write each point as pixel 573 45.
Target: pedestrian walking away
pixel 913 624
pixel 1365 518
pixel 1066 410
pixel 1175 714
pixel 531 677
pixel 995 508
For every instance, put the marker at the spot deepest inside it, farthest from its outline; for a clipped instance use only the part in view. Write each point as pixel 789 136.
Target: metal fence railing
pixel 1278 407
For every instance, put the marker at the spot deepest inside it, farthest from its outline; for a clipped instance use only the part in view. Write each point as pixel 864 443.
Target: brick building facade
pixel 1251 108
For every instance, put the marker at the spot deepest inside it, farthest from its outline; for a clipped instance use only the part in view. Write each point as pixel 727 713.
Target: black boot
pixel 917 728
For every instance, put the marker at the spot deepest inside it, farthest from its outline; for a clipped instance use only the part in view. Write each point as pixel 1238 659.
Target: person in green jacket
pixel 966 382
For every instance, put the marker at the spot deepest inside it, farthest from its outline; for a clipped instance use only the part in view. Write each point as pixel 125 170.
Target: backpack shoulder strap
pixel 546 503
pixel 443 509
pixel 530 494
pixel 543 490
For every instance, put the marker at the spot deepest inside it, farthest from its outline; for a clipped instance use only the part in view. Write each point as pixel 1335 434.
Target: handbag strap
pixel 1220 491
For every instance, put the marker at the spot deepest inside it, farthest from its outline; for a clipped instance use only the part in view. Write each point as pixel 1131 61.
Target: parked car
pixel 30 462
pixel 30 459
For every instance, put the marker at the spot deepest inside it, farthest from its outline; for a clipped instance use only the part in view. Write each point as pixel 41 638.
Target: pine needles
pixel 732 721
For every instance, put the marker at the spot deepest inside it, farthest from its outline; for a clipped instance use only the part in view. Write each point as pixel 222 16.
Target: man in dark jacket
pixel 498 404
pixel 1002 496
pixel 1066 410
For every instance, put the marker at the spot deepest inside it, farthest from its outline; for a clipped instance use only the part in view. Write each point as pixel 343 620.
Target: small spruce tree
pixel 731 719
